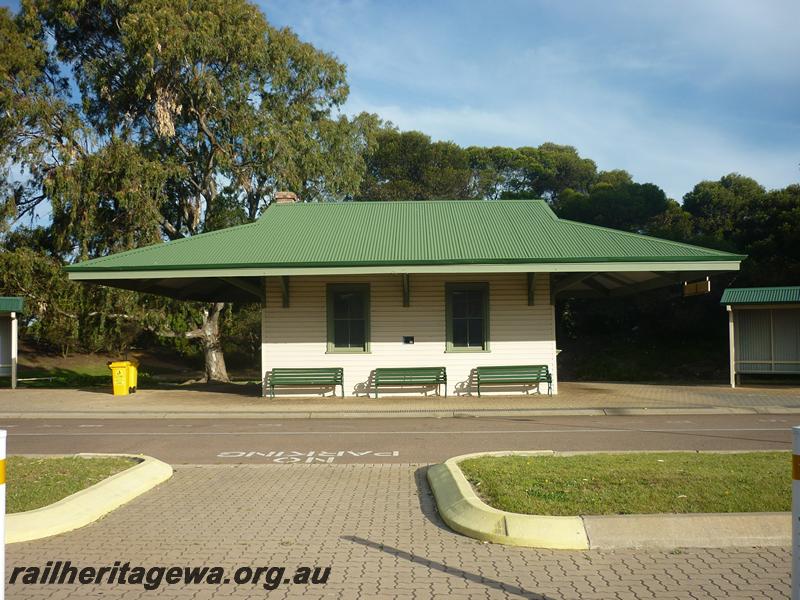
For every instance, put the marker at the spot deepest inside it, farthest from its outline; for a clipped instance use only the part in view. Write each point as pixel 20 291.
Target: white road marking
pixel 465 432
pixel 305 457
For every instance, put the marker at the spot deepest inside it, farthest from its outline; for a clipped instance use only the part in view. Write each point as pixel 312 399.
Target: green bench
pixel 323 376
pixel 537 374
pixel 411 376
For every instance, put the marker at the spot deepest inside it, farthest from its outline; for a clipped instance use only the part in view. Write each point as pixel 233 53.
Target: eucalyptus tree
pixel 186 110
pixel 407 165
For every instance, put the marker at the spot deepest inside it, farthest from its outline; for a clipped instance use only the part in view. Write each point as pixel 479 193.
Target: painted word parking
pixel 308 457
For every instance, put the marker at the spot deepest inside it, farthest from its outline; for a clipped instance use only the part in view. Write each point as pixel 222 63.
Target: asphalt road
pixel 393 440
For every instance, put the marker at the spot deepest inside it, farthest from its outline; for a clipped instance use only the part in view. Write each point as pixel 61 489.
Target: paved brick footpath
pixel 377 527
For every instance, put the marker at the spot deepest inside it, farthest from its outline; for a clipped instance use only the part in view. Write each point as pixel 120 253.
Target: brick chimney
pixel 285 197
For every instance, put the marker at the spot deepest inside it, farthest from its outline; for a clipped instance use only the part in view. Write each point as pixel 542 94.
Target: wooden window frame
pixel 448 301
pixel 330 290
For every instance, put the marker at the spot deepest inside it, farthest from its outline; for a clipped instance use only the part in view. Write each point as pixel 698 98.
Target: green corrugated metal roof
pixel 403 233
pixel 11 304
pixel 762 295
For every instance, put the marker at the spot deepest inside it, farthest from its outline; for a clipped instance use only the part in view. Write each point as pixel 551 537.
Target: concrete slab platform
pixel 583 398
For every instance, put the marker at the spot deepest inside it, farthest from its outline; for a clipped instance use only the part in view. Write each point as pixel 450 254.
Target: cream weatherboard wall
pixel 518 333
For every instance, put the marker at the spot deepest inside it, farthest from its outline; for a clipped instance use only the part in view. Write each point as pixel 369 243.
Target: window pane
pixel 355 303
pixel 356 334
pixel 341 333
pixel 341 309
pixel 476 303
pixel 460 304
pixel 476 333
pixel 460 336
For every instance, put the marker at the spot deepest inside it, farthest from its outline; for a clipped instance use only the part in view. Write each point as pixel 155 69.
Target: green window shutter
pixel 467 317
pixel 348 317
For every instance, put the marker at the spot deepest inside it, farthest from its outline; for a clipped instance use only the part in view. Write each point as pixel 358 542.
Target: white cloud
pixel 675 92
pixel 672 154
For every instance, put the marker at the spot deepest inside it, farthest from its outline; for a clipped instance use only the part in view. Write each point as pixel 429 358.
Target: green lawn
pixel 36 482
pixel 607 484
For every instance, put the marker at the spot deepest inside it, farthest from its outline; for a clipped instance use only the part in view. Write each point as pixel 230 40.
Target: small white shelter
pixel 764 330
pixel 10 306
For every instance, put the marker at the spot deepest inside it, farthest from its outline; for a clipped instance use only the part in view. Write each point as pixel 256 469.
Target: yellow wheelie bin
pixel 120 377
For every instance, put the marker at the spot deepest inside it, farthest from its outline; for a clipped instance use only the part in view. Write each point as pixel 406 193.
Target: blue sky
pixel 675 92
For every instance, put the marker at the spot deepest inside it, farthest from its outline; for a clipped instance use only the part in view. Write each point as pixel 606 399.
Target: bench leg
pixel 479 389
pixel 271 391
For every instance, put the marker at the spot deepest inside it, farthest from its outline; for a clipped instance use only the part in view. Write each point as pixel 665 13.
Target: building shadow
pixel 252 390
pixel 427 503
pixel 494 584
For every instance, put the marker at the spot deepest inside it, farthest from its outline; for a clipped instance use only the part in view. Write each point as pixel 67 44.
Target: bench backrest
pixel 410 373
pixel 514 371
pixel 300 374
pixel 404 370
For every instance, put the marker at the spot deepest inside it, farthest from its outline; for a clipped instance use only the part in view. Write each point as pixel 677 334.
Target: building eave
pixel 96 274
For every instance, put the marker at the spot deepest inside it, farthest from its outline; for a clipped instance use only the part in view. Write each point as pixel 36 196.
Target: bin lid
pixel 118 363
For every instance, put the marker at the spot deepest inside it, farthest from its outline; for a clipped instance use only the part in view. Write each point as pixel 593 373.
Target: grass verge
pixel 607 484
pixel 37 482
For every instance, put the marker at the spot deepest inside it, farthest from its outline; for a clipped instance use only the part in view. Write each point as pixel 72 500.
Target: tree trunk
pixel 212 348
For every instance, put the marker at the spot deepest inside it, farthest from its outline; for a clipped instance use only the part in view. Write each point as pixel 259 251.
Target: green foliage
pixel 52 305
pixel 141 120
pixel 561 168
pixel 241 338
pixel 717 206
pixel 614 201
pixel 107 201
pixel 63 315
pixel 769 231
pixel 408 166
pixel 212 87
pixel 672 224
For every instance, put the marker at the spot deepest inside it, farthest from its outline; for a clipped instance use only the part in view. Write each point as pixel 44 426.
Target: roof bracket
pixel 285 291
pixel 406 290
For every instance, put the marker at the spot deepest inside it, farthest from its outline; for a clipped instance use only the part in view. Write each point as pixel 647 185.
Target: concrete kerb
pixel 90 504
pixel 464 512
pixel 460 507
pixel 384 414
